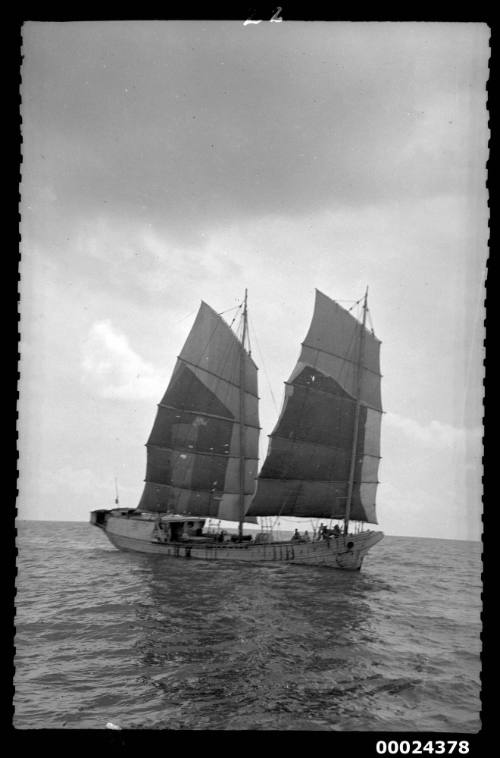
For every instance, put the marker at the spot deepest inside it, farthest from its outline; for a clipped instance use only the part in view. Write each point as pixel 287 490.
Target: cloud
pixel 185 125
pixel 430 478
pixel 434 434
pixel 68 492
pixel 115 370
pixel 165 163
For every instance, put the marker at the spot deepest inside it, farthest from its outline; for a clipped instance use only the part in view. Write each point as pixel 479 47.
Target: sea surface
pixel 145 642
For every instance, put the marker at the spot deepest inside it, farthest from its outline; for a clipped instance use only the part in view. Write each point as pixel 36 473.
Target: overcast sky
pixel 169 162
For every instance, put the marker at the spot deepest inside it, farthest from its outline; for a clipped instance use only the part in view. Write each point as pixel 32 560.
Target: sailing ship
pixel 322 459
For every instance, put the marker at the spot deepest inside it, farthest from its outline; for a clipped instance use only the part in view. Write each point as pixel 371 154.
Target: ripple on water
pixel 147 643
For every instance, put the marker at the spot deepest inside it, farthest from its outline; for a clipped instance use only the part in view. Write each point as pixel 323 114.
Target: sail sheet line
pixel 341 357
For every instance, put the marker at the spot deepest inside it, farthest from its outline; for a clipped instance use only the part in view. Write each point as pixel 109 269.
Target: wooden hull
pixel 137 534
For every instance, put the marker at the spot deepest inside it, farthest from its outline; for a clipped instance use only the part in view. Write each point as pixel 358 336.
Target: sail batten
pixel 193 451
pixel 198 490
pixel 323 445
pixel 205 370
pixel 332 391
pixel 205 413
pixel 347 397
pixel 209 454
pixel 344 358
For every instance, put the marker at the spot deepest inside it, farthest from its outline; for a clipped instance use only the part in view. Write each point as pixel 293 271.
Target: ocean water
pixel 150 643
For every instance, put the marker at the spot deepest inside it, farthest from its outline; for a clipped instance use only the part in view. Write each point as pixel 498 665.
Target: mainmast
pixel 359 377
pixel 242 418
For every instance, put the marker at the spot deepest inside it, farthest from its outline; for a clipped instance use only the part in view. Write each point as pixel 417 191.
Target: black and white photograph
pixel 253 259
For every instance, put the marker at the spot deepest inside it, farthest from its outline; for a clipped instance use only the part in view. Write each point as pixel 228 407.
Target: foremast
pixel 359 378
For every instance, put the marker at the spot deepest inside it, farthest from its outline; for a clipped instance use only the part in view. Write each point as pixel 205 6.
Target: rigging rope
pixel 370 320
pixel 248 340
pixel 234 308
pixel 188 315
pixel 356 303
pixel 235 315
pixel 250 327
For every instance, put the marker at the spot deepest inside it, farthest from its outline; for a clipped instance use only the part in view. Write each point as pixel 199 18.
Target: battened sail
pixel 306 472
pixel 193 452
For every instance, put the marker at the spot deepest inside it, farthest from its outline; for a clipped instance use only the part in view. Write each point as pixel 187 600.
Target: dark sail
pixel 193 452
pixel 306 472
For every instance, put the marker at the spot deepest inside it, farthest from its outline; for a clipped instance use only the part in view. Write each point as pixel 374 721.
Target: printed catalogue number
pixel 415 747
